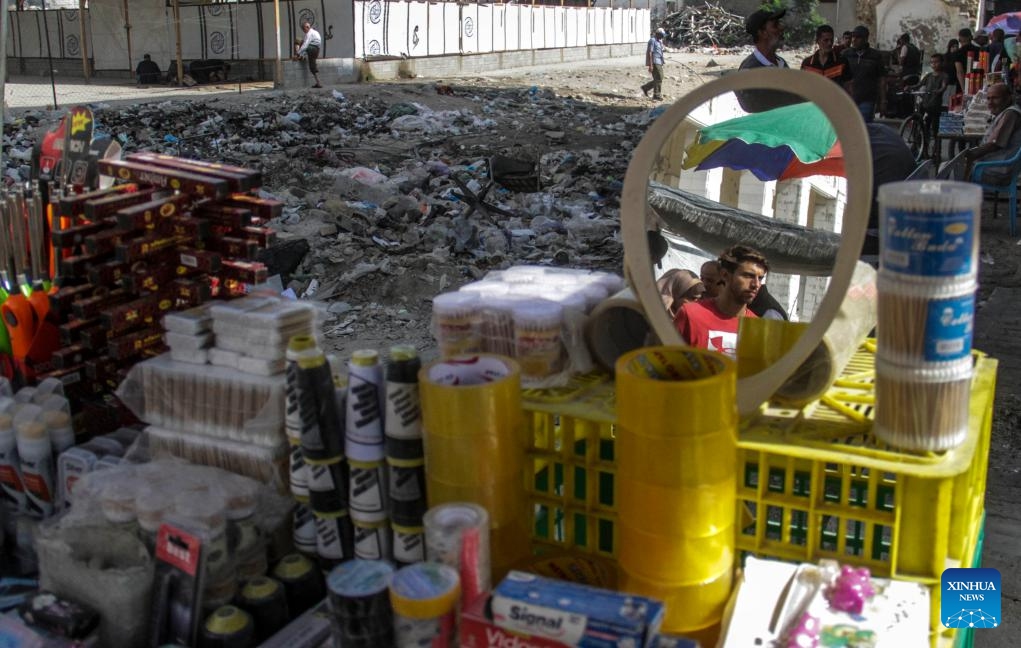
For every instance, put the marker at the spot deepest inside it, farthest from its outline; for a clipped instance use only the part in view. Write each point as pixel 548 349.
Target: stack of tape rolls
pixel 676 478
pixel 405 455
pixel 363 444
pixel 359 600
pixel 424 597
pixel 457 535
pixel 320 469
pixel 929 239
pixel 475 445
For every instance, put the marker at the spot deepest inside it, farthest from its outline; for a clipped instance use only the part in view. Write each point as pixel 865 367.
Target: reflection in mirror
pixel 771 181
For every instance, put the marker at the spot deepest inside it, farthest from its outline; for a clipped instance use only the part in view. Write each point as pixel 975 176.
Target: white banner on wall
pixel 350 29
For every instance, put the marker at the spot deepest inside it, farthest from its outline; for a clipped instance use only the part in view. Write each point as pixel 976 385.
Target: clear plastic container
pixel 537 338
pixel 922 409
pixel 456 322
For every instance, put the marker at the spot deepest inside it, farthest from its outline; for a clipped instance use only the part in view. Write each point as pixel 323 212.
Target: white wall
pixel 351 29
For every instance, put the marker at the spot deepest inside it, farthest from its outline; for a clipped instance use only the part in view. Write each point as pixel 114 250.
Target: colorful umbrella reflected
pixel 1010 23
pixel 794 141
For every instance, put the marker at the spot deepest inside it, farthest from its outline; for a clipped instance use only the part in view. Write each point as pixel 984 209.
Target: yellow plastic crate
pixel 813 483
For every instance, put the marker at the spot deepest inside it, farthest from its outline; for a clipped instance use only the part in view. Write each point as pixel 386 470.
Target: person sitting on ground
pixel 678 287
pixel 709 273
pixel 766 29
pixel 863 73
pixel 148 71
pixel 208 70
pixel 1001 140
pixel 713 323
pixel 824 59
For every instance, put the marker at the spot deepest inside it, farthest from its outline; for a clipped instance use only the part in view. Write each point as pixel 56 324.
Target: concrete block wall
pixel 331 72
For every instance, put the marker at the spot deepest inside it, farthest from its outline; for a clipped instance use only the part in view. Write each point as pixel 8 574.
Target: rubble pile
pixel 705 25
pixel 397 200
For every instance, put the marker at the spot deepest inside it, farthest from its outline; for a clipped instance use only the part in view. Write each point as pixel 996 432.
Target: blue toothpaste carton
pixel 575 615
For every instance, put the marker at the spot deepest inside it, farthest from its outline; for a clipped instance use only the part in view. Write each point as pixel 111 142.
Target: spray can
pixel 37 467
pixel 10 465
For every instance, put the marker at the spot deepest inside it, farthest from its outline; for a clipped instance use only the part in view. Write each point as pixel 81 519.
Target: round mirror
pixel 777 186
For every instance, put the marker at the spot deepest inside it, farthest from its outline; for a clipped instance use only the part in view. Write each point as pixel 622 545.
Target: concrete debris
pixel 401 197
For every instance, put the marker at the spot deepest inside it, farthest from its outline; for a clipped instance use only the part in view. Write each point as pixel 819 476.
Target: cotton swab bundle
pixel 921 324
pixel 929 230
pixel 922 410
pixel 267 464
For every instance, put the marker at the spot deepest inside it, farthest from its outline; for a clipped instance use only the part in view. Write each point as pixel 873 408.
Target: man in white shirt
pixel 310 47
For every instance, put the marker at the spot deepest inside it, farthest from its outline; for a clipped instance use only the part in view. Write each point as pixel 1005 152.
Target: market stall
pixel 183 462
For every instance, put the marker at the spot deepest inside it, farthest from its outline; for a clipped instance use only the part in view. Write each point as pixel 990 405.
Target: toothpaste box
pixel 575 615
pixel 478 631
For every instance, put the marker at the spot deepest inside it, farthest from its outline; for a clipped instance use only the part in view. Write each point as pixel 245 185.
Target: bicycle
pixel 916 127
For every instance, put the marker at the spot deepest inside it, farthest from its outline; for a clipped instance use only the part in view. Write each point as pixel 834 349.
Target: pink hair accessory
pixel 805 634
pixel 851 589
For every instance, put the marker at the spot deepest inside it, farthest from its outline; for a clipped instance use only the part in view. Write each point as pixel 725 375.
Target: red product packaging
pixel 477 631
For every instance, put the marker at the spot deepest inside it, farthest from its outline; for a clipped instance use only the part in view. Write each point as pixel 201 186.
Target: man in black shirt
pixel 148 71
pixel 824 59
pixel 767 31
pixel 960 62
pixel 863 72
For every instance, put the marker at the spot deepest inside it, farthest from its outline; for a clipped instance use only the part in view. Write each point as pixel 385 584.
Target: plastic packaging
pixel 457 535
pixel 359 600
pixel 922 409
pixel 58 427
pixel 537 344
pixel 456 323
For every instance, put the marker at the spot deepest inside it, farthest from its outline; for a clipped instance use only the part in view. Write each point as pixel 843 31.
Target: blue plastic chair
pixel 1011 164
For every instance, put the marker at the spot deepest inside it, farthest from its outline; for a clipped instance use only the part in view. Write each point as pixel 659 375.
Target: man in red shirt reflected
pixel 712 323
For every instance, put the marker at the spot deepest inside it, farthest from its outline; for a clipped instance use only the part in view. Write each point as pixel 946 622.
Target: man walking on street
pixel 310 48
pixel 654 61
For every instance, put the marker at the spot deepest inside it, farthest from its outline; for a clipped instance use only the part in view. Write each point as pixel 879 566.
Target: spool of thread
pixel 321 431
pixel 38 470
pixel 457 535
pixel 327 487
pixel 406 491
pixel 10 464
pixel 372 540
pixel 303 583
pixel 304 530
pixel 424 598
pixel 264 599
pixel 538 347
pixel 923 324
pixel 368 497
pixel 58 426
pixel 403 419
pixel 298 473
pixel 929 229
pixel 408 544
pixel 292 413
pixel 228 627
pixel 359 599
pixel 922 409
pixel 456 323
pixel 363 439
pixel 334 538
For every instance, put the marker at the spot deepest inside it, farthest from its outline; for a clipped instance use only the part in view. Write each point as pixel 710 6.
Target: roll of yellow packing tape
pixel 678 513
pixel 474 401
pixel 677 462
pixel 688 560
pixel 676 391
